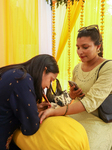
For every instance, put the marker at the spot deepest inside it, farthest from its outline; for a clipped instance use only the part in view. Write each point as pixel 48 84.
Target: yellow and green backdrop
pixel 30 27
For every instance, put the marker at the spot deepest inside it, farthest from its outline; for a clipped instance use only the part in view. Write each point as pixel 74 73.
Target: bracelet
pixel 66 110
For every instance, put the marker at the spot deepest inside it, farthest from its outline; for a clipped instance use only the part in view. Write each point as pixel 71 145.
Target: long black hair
pixel 35 67
pixel 95 36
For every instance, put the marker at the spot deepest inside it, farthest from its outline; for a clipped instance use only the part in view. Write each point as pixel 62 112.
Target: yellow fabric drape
pixel 75 10
pixel 63 61
pixel 19 32
pixel 107 43
pixel 2 34
pixel 21 28
pixel 55 133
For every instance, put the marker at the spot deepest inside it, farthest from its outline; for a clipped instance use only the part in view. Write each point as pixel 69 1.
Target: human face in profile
pixel 47 78
pixel 86 49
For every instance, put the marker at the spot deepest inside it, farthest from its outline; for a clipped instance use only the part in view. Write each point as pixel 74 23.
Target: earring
pixel 98 51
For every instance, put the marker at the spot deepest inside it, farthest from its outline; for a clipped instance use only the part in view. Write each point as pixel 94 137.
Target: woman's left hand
pixel 42 106
pixel 75 93
pixel 46 113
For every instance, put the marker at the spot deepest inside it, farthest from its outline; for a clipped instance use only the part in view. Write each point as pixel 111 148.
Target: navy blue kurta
pixel 17 106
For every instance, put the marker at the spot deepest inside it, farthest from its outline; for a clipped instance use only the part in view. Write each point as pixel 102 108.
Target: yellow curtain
pixel 75 10
pixel 107 43
pixel 63 61
pixel 21 30
pixel 63 47
pixel 2 34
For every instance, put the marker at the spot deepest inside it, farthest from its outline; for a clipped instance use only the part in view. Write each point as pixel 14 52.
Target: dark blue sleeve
pixel 23 104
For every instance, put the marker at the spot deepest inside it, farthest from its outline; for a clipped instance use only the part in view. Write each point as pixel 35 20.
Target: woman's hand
pixel 46 113
pixel 75 93
pixel 42 106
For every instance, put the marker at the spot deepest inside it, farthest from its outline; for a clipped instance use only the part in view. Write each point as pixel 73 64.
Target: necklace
pixel 87 74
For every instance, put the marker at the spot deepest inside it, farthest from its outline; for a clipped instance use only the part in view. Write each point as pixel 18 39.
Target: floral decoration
pixel 102 18
pixel 60 2
pixel 82 14
pixel 53 30
pixel 69 40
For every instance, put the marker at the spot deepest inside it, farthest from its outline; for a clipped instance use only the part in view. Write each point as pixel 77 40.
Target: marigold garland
pixel 53 30
pixel 53 38
pixel 69 39
pixel 102 18
pixel 82 14
pixel 82 17
pixel 60 2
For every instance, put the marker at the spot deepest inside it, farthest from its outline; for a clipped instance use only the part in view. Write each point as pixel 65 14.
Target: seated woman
pixel 85 110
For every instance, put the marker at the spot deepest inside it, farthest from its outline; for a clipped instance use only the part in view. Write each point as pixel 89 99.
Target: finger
pixel 43 116
pixel 79 91
pixel 81 95
pixel 47 105
pixel 72 88
pixel 40 113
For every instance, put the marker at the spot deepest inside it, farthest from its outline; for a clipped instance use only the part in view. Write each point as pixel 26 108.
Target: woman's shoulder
pixel 103 63
pixel 105 67
pixel 15 74
pixel 106 63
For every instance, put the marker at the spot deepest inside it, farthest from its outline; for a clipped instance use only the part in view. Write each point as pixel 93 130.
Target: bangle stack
pixel 66 110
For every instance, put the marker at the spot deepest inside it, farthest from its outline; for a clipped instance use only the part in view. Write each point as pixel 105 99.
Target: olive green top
pixel 95 90
pixel 99 133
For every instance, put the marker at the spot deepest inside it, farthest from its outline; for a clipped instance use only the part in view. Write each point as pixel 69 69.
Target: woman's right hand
pixel 42 106
pixel 75 93
pixel 46 113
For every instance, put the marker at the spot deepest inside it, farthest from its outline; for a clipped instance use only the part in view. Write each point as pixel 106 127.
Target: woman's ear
pixel 44 72
pixel 98 47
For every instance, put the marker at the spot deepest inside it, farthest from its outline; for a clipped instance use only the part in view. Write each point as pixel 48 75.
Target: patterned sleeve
pixel 100 89
pixel 23 104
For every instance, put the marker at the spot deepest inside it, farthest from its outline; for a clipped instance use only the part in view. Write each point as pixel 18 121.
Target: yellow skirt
pixel 55 133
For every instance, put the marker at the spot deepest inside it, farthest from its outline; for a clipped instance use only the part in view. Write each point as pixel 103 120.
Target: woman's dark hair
pixel 35 68
pixel 95 36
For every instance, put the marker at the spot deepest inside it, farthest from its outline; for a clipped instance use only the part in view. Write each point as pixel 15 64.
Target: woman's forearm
pixel 72 109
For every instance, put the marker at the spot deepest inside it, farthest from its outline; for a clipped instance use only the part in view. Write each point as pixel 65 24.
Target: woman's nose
pixel 80 51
